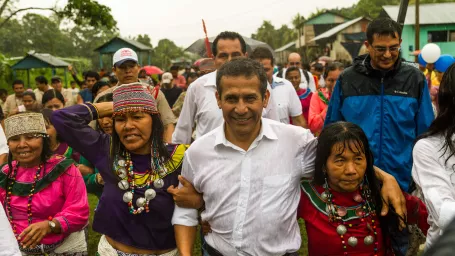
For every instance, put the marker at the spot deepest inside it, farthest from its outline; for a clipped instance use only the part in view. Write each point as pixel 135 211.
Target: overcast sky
pixel 180 20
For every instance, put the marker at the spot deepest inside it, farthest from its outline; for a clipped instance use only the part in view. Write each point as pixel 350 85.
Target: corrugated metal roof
pixel 51 60
pixel 136 44
pixel 336 29
pixel 285 47
pixel 441 13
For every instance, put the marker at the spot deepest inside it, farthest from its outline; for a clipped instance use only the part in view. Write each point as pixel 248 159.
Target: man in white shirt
pixel 307 81
pixel 8 242
pixel 200 109
pixel 250 188
pixel 41 87
pixel 283 91
pixel 14 100
pixel 67 93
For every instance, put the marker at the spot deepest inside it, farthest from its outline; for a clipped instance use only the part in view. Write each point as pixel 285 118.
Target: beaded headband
pixel 133 97
pixel 24 123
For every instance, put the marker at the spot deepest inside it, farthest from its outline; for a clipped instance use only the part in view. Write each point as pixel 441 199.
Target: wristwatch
pixel 52 225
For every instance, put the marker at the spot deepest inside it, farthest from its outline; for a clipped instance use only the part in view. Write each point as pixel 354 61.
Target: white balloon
pixel 431 52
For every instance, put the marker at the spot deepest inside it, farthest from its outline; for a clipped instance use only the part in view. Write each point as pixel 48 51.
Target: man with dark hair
pixel 42 86
pixel 170 90
pixel 90 77
pixel 287 101
pixel 200 106
pixel 385 96
pixel 14 100
pixel 255 212
pixel 67 93
pixel 178 80
pixel 3 96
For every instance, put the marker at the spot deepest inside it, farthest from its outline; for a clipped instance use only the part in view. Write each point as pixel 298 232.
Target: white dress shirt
pixel 200 109
pixel 436 180
pixel 251 197
pixel 8 243
pixel 286 98
pixel 3 142
pixel 303 82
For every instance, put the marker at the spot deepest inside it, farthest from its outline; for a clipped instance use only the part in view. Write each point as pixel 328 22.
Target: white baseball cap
pixel 123 55
pixel 166 78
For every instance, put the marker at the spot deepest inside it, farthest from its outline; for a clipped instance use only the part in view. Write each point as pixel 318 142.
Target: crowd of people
pixel 364 154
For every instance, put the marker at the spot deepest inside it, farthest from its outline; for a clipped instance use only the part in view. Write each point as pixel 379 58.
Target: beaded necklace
pixel 29 201
pixel 366 212
pixel 125 171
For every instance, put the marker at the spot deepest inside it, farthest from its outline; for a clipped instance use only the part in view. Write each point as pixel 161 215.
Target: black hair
pixel 113 79
pixel 383 27
pixel 52 94
pixel 290 69
pixel 41 80
pixel 352 137
pixel 18 81
pixel 142 73
pixel 156 138
pixel 242 67
pixel 191 75
pixel 228 35
pixel 29 93
pixel 92 74
pixel 318 67
pixel 175 67
pixel 332 67
pixel 108 97
pixel 444 123
pixel 262 53
pixel 4 91
pixel 98 85
pixel 73 82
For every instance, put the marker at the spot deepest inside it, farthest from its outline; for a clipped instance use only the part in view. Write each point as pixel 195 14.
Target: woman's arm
pixel 316 116
pixel 72 125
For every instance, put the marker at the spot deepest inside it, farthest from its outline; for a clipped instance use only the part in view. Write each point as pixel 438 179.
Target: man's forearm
pixel 299 121
pixel 185 237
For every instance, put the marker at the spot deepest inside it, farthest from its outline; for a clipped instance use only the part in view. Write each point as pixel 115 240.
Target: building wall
pixel 326 18
pixel 408 36
pixel 338 51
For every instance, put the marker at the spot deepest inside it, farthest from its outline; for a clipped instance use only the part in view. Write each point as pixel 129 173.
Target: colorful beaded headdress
pixel 24 123
pixel 133 97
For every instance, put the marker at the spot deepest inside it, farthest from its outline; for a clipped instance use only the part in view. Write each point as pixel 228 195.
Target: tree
pixel 165 52
pixel 273 37
pixel 144 39
pixel 79 11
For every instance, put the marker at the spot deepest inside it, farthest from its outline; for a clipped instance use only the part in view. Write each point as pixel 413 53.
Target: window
pixel 437 36
pixel 452 36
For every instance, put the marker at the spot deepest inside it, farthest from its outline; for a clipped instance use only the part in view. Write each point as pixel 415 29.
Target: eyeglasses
pixel 382 50
pixel 294 63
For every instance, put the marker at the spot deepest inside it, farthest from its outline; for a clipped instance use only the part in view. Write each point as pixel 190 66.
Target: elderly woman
pixel 134 213
pixel 44 194
pixel 342 205
pixel 434 161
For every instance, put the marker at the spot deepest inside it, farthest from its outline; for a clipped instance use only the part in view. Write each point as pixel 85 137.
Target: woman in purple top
pixel 135 211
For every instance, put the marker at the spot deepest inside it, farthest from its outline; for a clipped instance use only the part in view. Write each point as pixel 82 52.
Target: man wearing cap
pixel 200 106
pixel 170 90
pixel 126 69
pixel 67 93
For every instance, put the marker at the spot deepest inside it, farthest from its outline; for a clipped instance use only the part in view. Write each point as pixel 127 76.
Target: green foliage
pixel 274 37
pixel 144 39
pixel 165 51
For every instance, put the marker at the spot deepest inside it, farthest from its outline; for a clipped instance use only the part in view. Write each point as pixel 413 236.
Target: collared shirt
pixel 251 196
pixel 39 94
pixel 435 179
pixel 286 98
pixel 8 243
pixel 11 104
pixel 69 97
pixel 303 82
pixel 200 109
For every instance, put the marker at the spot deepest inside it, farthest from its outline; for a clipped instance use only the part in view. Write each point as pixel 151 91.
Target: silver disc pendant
pixel 159 183
pixel 123 185
pixel 150 194
pixel 121 172
pixel 121 162
pixel 140 202
pixel 352 241
pixel 342 211
pixel 127 197
pixel 341 230
pixel 324 196
pixel 368 240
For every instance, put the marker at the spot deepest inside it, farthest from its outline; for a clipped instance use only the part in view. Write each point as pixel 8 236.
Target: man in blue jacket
pixel 387 97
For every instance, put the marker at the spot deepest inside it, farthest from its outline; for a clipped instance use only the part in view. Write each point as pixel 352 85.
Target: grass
pixel 94 237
